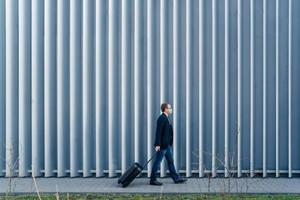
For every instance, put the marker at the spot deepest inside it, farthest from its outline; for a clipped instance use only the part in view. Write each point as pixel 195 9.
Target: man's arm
pixel 161 122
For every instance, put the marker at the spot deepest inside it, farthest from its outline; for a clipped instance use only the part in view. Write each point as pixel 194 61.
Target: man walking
pixel 163 143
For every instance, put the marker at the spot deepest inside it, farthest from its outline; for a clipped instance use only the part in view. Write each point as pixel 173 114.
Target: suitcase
pixel 132 173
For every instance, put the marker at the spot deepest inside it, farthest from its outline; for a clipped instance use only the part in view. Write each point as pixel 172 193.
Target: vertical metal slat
pixel 188 85
pixel 50 87
pixel 163 63
pixel 137 66
pixel 125 85
pixel 87 70
pixel 175 78
pixel 252 87
pixel 239 52
pixel 101 85
pixel 37 85
pixel 277 88
pixel 264 88
pixel 150 58
pixel 201 86
pixel 136 74
pixel 75 86
pixel 226 102
pixel 62 86
pixel 24 87
pixel 214 85
pixel 290 81
pixel 113 68
pixel 2 86
pixel 124 58
pixel 11 86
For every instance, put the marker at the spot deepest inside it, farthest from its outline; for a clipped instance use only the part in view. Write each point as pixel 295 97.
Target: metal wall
pixel 82 82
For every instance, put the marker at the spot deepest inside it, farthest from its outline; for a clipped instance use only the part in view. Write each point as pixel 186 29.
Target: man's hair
pixel 163 107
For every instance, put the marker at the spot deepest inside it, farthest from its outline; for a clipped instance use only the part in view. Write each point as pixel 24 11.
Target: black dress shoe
pixel 155 182
pixel 181 180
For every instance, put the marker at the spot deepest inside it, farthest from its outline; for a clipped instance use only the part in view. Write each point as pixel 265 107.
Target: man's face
pixel 169 109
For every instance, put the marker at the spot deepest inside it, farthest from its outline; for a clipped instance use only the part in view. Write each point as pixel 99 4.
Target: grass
pixel 151 197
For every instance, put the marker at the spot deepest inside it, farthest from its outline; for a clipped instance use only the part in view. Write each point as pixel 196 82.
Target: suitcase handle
pixel 150 159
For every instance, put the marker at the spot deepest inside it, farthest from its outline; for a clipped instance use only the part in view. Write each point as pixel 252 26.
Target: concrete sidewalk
pixel 141 185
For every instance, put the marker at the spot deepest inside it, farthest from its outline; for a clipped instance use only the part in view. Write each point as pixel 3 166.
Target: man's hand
pixel 157 148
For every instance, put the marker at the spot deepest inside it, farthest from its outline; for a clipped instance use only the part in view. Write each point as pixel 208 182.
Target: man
pixel 163 143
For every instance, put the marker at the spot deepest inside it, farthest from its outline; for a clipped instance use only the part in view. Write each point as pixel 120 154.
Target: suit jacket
pixel 164 132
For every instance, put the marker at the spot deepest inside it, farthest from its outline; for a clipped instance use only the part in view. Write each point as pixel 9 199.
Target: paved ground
pixel 141 185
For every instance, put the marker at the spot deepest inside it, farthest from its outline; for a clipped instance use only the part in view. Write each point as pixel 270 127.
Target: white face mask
pixel 170 111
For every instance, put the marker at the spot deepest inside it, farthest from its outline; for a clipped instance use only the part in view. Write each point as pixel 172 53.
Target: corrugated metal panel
pixel 81 83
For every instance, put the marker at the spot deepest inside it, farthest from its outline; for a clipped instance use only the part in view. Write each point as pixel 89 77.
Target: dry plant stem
pixel 36 188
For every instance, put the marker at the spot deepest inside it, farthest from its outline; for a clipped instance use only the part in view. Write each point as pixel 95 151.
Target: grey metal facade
pixel 81 83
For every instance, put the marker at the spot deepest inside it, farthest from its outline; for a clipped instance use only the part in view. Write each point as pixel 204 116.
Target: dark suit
pixel 164 132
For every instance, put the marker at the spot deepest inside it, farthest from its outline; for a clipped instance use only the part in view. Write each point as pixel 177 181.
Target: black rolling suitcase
pixel 132 173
